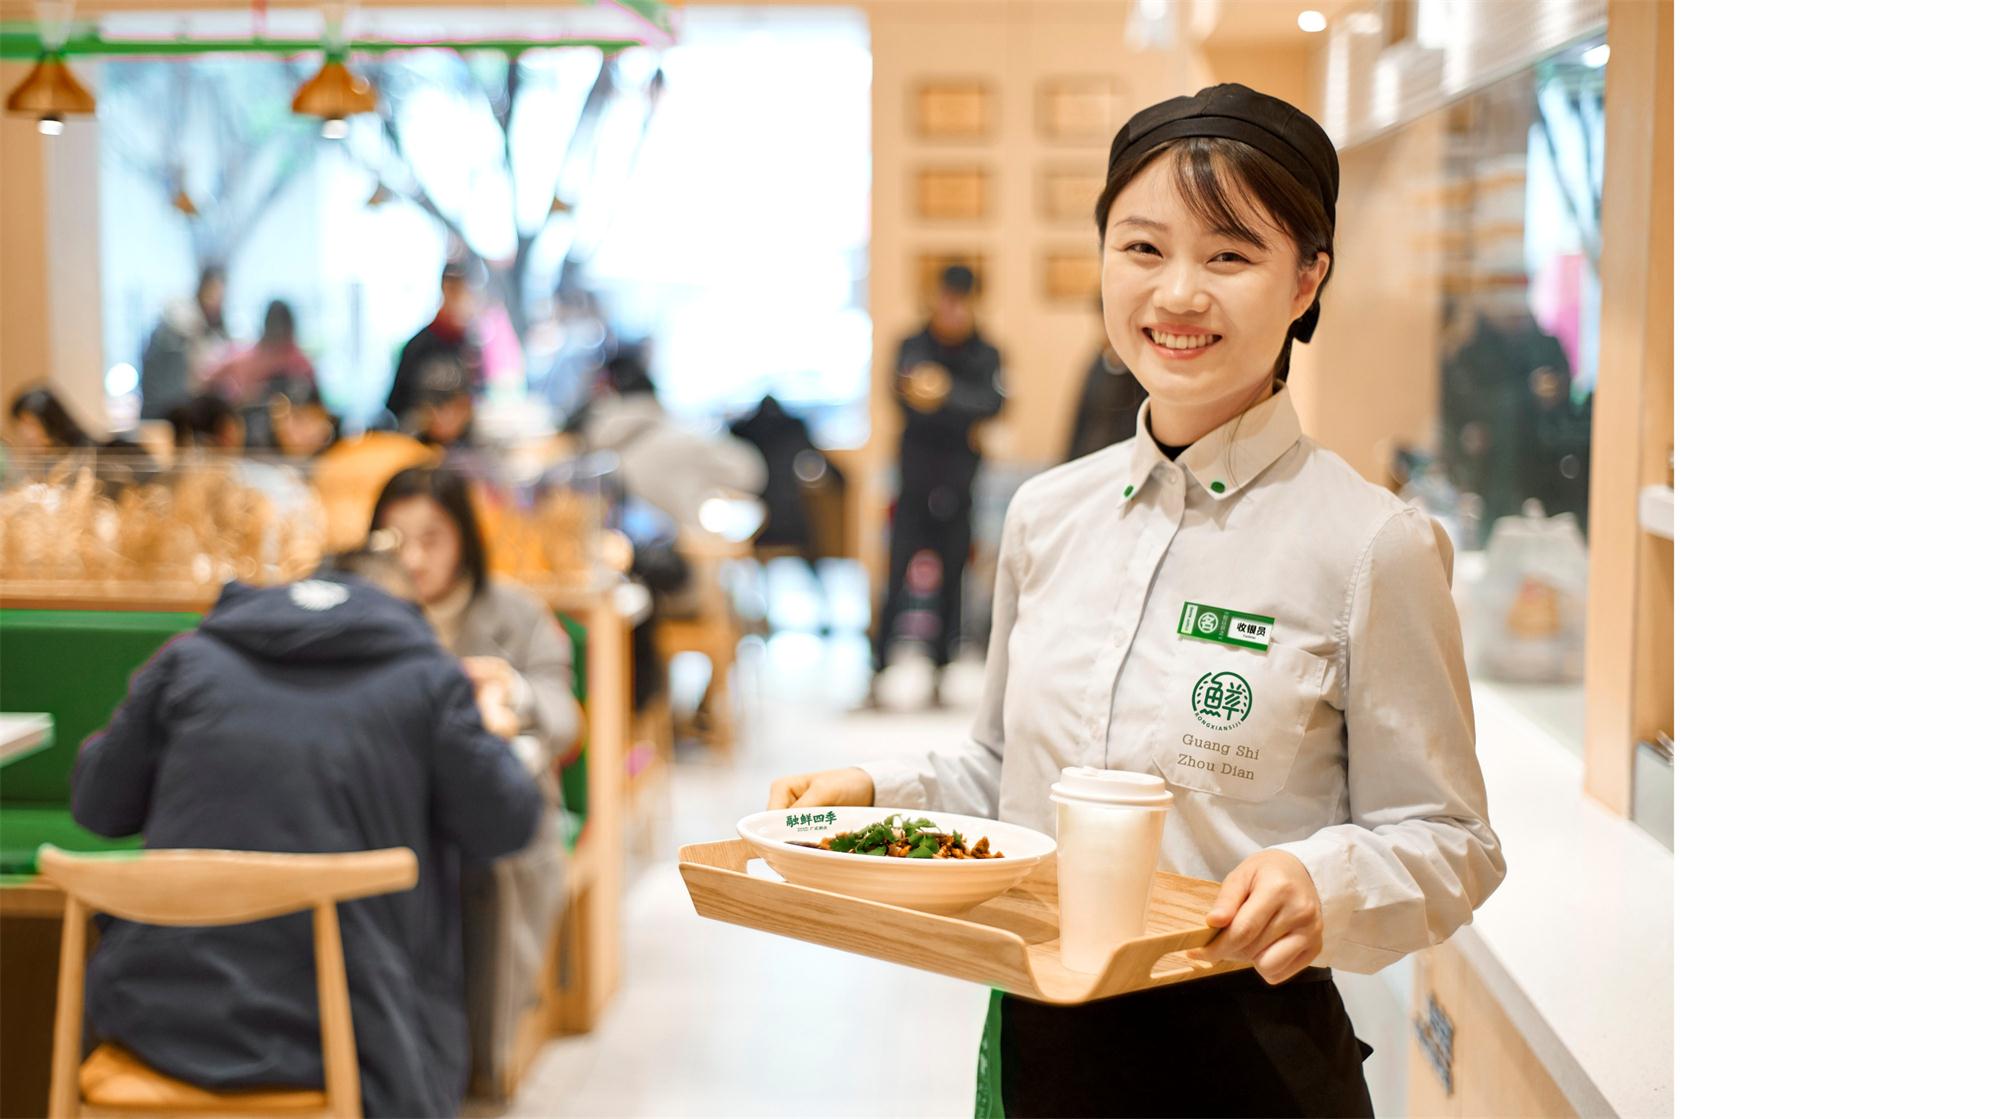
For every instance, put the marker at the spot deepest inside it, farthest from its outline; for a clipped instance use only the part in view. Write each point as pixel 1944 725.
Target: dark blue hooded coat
pixel 317 717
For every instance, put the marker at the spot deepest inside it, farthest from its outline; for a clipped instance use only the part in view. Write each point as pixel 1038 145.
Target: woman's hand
pixel 496 712
pixel 826 789
pixel 1269 914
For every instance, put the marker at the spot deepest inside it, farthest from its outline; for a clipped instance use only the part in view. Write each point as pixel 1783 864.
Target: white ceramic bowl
pixel 932 885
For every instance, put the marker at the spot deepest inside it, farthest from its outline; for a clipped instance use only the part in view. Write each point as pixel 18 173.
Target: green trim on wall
pixel 18 41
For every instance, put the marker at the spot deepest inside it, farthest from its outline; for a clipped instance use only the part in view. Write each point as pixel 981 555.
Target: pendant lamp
pixel 50 92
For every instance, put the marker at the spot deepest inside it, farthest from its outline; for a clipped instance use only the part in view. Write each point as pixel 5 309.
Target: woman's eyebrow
pixel 1143 223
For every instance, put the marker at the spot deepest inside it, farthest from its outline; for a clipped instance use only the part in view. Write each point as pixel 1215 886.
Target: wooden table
pixel 24 734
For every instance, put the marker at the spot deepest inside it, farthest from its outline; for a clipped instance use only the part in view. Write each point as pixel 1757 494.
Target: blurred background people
pixel 189 339
pixel 1107 407
pixel 274 356
pixel 207 422
pixel 439 408
pixel 519 661
pixel 447 336
pixel 671 467
pixel 792 464
pixel 948 380
pixel 291 420
pixel 37 422
pixel 331 721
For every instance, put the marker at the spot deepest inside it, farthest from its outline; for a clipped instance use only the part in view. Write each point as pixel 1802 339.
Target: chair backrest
pixel 219 888
pixel 223 887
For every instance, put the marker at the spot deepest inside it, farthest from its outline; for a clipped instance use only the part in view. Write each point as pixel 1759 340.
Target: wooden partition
pixel 1629 676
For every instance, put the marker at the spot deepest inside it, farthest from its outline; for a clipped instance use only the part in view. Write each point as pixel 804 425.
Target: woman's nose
pixel 1181 290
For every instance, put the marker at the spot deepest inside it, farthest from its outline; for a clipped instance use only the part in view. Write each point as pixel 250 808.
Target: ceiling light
pixel 50 93
pixel 1597 56
pixel 1311 21
pixel 334 94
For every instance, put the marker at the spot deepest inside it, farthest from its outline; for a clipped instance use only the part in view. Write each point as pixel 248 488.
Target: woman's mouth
pixel 1180 345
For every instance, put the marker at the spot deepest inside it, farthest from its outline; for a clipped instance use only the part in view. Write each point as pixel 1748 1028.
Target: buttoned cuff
pixel 1325 860
pixel 897 784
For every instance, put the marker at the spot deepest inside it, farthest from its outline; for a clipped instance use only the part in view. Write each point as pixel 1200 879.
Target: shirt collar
pixel 1226 459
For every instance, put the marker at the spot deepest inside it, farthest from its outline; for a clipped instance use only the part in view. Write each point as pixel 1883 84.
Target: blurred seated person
pixel 439 409
pixel 672 467
pixel 519 661
pixel 275 356
pixel 448 335
pixel 207 422
pixel 290 420
pixel 38 423
pixel 188 340
pixel 319 716
pixel 792 465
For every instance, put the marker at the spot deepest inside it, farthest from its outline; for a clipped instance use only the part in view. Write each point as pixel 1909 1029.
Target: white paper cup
pixel 1108 825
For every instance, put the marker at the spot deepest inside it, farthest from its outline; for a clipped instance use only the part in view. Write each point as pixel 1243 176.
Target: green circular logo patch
pixel 1221 700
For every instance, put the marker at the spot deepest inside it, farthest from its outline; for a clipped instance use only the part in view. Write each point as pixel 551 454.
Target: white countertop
pixel 22 734
pixel 1578 942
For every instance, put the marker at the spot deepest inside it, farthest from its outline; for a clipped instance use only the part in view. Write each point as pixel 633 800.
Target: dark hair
pixel 374 562
pixel 279 321
pixel 48 410
pixel 199 421
pixel 211 274
pixel 1291 205
pixel 448 488
pixel 958 280
pixel 626 373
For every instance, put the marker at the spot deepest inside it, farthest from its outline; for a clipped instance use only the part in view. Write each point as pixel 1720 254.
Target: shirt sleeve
pixel 485 800
pixel 1418 855
pixel 965 777
pixel 111 784
pixel 549 677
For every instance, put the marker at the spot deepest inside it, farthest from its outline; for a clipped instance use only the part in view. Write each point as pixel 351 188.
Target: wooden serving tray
pixel 1009 942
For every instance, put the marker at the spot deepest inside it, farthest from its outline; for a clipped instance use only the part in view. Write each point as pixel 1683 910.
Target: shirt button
pixel 1216 486
pixel 1128 491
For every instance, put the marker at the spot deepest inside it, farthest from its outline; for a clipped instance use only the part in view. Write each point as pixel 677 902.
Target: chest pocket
pixel 1231 719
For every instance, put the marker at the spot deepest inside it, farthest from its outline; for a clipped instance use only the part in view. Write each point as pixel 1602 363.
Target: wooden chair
pixel 210 888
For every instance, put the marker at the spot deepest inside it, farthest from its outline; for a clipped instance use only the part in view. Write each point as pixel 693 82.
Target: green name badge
pixel 1225 627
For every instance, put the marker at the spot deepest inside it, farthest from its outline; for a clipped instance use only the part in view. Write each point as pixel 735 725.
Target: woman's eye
pixel 1142 247
pixel 1231 258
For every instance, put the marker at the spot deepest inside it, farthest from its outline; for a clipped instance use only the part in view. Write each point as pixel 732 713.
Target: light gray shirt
pixel 1271 633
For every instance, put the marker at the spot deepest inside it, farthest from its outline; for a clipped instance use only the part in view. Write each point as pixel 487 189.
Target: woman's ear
pixel 1310 278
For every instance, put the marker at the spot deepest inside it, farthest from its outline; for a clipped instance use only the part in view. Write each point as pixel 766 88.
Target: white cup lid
pixel 1112 786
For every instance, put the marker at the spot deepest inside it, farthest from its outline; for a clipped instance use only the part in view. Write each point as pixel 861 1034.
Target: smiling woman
pixel 1320 752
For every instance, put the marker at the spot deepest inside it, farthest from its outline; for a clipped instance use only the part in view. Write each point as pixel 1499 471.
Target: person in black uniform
pixel 947 381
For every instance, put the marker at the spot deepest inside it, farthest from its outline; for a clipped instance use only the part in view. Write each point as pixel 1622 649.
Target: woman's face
pixel 431 549
pixel 29 434
pixel 1198 316
pixel 302 430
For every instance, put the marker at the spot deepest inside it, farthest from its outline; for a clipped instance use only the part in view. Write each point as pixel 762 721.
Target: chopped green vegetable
pixel 897 837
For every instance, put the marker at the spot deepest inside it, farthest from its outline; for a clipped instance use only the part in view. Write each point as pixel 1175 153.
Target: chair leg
pixel 336 1020
pixel 64 1098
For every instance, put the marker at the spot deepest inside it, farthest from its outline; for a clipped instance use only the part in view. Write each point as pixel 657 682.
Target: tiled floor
pixel 711 1019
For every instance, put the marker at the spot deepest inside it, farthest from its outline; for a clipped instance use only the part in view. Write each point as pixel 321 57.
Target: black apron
pixel 1227 1046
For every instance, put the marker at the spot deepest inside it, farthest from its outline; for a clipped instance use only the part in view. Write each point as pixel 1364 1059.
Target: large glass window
pixel 685 197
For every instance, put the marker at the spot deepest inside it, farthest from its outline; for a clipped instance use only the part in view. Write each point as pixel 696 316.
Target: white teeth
pixel 1181 341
